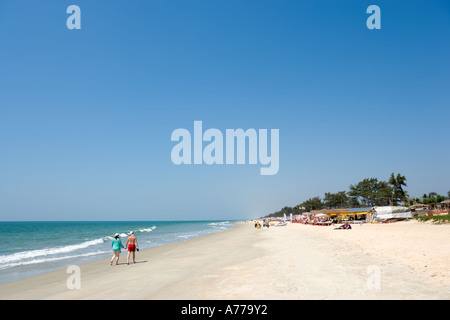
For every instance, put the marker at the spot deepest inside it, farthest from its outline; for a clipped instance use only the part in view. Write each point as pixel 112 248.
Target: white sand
pixel 422 246
pixel 291 262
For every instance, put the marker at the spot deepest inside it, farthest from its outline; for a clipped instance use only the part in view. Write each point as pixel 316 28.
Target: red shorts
pixel 131 247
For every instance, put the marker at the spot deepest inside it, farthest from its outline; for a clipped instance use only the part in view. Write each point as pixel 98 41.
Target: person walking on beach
pixel 116 246
pixel 132 246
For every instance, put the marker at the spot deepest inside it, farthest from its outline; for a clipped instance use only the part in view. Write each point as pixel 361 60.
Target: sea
pixel 32 248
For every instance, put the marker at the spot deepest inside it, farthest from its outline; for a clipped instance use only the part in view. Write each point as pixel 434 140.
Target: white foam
pixel 147 229
pixel 42 260
pixel 47 251
pixel 219 223
pixel 189 235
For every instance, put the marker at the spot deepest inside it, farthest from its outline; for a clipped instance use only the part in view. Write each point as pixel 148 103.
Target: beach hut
pixel 419 209
pixel 346 214
pixel 391 213
pixel 445 206
pixel 418 205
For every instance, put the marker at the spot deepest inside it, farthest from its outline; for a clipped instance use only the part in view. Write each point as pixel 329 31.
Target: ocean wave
pixel 43 260
pixel 126 234
pixel 222 223
pixel 32 254
pixel 189 235
pixel 47 251
pixel 147 229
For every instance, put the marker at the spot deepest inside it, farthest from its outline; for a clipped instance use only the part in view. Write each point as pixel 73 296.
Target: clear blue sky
pixel 86 115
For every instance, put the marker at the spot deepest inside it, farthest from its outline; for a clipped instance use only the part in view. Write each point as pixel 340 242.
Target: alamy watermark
pixel 74 280
pixel 216 151
pixel 374 280
pixel 374 20
pixel 73 22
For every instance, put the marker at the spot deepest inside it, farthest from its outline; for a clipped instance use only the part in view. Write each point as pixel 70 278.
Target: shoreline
pixel 87 241
pixel 52 285
pixel 291 262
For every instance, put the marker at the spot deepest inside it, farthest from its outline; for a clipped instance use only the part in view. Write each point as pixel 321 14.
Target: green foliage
pixel 444 219
pixel 431 198
pixel 397 183
pixel 371 192
pixel 336 200
pixel 313 204
pixel 366 193
pixel 308 205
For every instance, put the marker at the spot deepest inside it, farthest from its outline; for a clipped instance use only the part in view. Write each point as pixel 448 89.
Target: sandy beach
pixel 403 260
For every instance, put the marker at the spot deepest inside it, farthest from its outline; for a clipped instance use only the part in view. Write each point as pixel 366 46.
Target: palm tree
pixel 397 183
pixel 432 195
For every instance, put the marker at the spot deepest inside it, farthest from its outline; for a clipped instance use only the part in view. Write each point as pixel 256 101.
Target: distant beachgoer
pixel 132 246
pixel 116 246
pixel 345 226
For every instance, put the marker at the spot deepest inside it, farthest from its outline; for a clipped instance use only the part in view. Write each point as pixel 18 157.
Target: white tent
pixel 391 212
pixel 321 215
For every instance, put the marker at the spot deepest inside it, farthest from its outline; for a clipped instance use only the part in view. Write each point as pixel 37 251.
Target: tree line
pixel 369 192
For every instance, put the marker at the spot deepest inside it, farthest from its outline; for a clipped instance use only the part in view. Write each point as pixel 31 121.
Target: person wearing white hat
pixel 116 246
